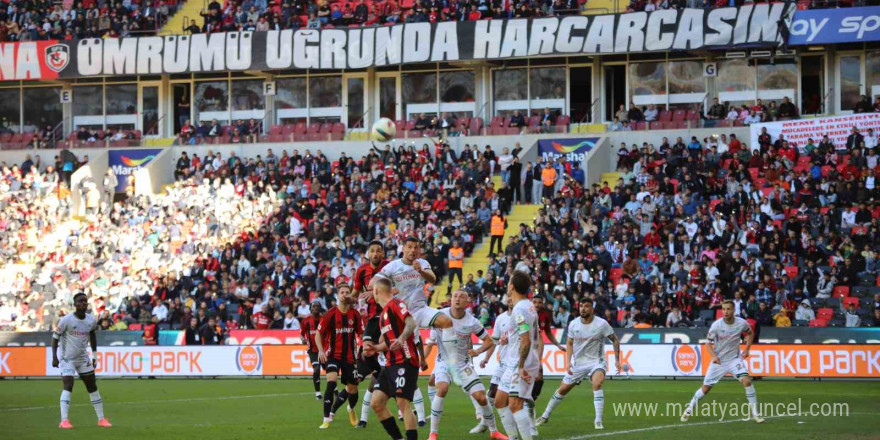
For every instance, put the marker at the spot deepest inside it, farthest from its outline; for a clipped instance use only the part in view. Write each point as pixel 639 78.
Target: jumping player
pixel 308 329
pixel 399 377
pixel 336 341
pixel 455 363
pixel 725 357
pixel 499 336
pixel 523 361
pixel 369 310
pixel 585 358
pixel 545 321
pixel 75 333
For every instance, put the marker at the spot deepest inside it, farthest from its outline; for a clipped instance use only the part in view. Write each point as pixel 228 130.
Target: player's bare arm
pixel 55 361
pixel 320 345
pixel 409 327
pixel 488 344
pixel 427 274
pixel 569 344
pixel 552 338
pixel 616 342
pixel 750 338
pixel 423 362
pixel 93 342
pixel 712 357
pixel 525 345
pixel 489 352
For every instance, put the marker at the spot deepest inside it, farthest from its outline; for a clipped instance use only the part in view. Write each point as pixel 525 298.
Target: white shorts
pixel 496 378
pixel 515 386
pixel 583 372
pixel 425 317
pixel 75 367
pixel 736 367
pixel 467 377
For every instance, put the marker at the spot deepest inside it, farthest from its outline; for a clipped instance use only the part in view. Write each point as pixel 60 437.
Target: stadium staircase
pixel 188 11
pixel 597 7
pixel 611 178
pixel 479 258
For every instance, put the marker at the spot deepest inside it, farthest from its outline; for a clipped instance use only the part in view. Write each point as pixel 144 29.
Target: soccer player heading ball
pixel 75 333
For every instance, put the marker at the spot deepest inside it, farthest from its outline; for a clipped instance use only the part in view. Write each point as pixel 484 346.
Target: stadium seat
pixel 851 300
pixel 841 292
pixel 791 271
pixel 825 313
pixel 818 323
pixel 719 313
pixel 135 327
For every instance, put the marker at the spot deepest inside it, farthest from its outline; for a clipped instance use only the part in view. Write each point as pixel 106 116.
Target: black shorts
pixel 368 365
pixel 371 330
pixel 347 372
pixel 399 380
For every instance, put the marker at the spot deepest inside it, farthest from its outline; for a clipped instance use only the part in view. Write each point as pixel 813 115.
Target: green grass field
pixel 266 408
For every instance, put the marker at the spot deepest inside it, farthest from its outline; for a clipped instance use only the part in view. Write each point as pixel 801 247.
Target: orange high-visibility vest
pixel 456 253
pixel 497 225
pixel 548 176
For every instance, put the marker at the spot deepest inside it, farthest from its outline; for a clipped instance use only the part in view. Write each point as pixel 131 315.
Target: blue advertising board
pixel 573 149
pixel 826 26
pixel 125 162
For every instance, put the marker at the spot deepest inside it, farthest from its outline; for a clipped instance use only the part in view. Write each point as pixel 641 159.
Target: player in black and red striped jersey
pixel 545 324
pixel 369 310
pixel 337 343
pixel 399 377
pixel 308 330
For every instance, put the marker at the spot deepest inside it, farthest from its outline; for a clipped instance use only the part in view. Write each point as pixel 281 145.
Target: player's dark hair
pixel 412 239
pixel 376 243
pixel 520 282
pixel 78 295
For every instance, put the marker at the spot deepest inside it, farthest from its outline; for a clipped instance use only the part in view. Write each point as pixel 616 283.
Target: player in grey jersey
pixel 74 334
pixel 725 357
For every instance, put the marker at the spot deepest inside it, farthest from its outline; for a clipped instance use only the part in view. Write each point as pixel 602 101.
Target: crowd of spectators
pixel 260 15
pixel 46 20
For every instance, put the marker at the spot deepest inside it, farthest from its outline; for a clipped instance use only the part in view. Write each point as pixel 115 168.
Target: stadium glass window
pixel 211 101
pixel 777 80
pixel 291 100
pixel 419 94
pixel 42 107
pixel 873 70
pixel 849 67
pixel 325 99
pixel 355 99
pixel 685 82
pixel 120 106
pixel 88 106
pixel 647 83
pixel 457 91
pixel 247 100
pixel 736 82
pixel 510 91
pixel 10 110
pixel 388 97
pixel 546 88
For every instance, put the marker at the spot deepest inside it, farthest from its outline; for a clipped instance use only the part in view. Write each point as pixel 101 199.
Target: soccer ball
pixel 383 130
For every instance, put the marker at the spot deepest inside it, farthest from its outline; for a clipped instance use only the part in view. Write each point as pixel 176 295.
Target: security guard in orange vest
pixel 497 226
pixel 456 261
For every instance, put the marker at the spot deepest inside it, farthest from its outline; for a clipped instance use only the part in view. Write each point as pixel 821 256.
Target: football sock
pixel 536 391
pixel 752 398
pixel 419 403
pixel 391 428
pixel 316 377
pixel 507 421
pixel 352 400
pixel 365 406
pixel 491 401
pixel 599 402
pixel 98 403
pixel 696 399
pixel 475 404
pixel 530 407
pixel 432 391
pixel 339 401
pixel 436 412
pixel 523 424
pixel 412 434
pixel 65 404
pixel 488 418
pixel 555 401
pixel 328 398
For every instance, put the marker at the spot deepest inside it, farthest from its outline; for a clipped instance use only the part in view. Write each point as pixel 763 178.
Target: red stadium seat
pixel 818 323
pixel 825 313
pixel 840 292
pixel 719 313
pixel 791 271
pixel 850 300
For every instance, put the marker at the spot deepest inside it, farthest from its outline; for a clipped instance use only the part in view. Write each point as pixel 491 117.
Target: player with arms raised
pixel 455 363
pixel 75 333
pixel 523 360
pixel 308 329
pixel 585 358
pixel 369 310
pixel 399 377
pixel 336 342
pixel 409 275
pixel 725 357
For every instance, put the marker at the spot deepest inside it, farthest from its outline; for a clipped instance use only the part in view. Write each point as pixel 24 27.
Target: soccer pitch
pixel 282 408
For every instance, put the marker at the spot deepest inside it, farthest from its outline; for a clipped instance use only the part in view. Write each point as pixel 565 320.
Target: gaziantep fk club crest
pixel 57 57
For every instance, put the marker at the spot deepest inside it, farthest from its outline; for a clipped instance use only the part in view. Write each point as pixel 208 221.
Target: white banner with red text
pixel 799 131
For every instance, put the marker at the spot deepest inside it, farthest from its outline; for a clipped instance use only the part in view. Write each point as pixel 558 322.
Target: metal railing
pixel 589 113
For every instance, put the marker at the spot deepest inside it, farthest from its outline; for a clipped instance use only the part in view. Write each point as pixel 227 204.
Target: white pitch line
pixel 195 399
pixel 661 427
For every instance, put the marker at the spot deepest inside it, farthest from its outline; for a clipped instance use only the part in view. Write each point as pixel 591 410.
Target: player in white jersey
pixel 522 360
pixel 455 364
pixel 75 333
pixel 499 336
pixel 585 357
pixel 408 275
pixel 725 357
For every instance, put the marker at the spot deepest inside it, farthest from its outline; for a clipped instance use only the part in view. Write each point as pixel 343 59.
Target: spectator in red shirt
pixel 261 320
